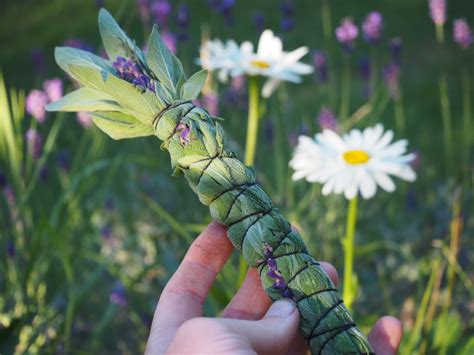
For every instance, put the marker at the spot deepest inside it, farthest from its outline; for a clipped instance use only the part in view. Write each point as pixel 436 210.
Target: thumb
pixel 274 332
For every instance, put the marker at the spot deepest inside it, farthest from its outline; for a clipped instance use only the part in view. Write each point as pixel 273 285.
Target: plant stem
pixel 440 34
pixel 250 146
pixel 447 121
pixel 399 114
pixel 350 286
pixel 326 20
pixel 346 89
pixel 252 123
pixel 467 114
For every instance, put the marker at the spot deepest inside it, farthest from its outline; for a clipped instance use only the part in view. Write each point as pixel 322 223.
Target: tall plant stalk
pixel 350 285
pixel 346 88
pixel 252 123
pixel 467 116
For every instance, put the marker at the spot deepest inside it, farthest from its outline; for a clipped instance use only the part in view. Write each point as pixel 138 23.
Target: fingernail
pixel 282 308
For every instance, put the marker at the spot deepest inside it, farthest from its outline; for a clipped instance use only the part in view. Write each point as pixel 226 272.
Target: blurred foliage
pixel 92 221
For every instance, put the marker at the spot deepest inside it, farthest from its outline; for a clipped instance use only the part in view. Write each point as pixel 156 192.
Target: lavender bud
pixel 392 78
pixel 144 10
pixel 272 274
pixel 327 120
pixel 84 119
pixel 184 130
pixel 269 130
pixel 287 293
pixel 462 33
pixel 347 33
pixel 438 11
pixel 320 63
pixel 34 142
pixel 182 16
pixel 118 296
pixel 258 19
pixel 396 49
pixel 161 10
pixel 372 27
pixel 35 105
pixel 287 8
pixel 64 160
pixel 211 103
pixel 287 24
pixel 170 41
pixel 271 263
pixel 11 250
pixel 39 62
pixel 79 44
pixel 53 88
pixel 280 283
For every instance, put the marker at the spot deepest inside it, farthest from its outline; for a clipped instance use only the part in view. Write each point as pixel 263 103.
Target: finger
pixel 272 334
pixel 386 335
pixel 183 296
pixel 331 271
pixel 250 302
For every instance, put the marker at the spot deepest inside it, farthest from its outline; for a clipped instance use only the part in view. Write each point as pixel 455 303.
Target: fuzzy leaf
pixel 115 41
pixel 66 56
pixel 119 125
pixel 84 99
pixel 163 63
pixel 143 104
pixel 193 86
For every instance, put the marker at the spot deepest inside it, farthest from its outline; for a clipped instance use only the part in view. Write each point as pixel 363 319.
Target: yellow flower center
pixel 261 64
pixel 356 156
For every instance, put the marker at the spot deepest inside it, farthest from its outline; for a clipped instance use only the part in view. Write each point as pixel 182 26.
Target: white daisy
pixel 356 162
pixel 269 61
pixel 221 57
pixel 272 61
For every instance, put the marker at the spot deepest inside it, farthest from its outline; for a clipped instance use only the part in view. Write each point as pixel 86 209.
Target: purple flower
pixel 287 24
pixel 170 41
pixel 39 61
pixel 365 72
pixel 184 130
pixel 144 10
pixel 130 71
pixel 347 32
pixel 272 265
pixel 84 119
pixel 327 119
pixel 53 88
pixel 320 63
pixel 258 19
pixel 391 75
pixel 182 16
pixel 396 49
pixel 35 103
pixel 161 10
pixel 34 142
pixel 210 102
pixel 64 160
pixel 462 33
pixel 119 296
pixel 280 283
pixel 287 7
pixel 372 27
pixel 438 11
pixel 287 293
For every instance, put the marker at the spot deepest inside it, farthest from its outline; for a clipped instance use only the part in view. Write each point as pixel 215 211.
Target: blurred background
pixel 91 229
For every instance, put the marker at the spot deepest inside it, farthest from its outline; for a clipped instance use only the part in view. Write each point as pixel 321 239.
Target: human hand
pixel 249 324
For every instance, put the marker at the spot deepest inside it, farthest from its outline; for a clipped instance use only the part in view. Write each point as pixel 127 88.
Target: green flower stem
pixel 252 123
pixel 447 121
pixel 440 34
pixel 326 19
pixel 467 115
pixel 349 286
pixel 399 114
pixel 346 89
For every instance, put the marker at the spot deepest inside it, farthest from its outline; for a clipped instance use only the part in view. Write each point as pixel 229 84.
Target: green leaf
pixel 193 86
pixel 85 99
pixel 119 125
pixel 66 56
pixel 163 63
pixel 145 105
pixel 116 42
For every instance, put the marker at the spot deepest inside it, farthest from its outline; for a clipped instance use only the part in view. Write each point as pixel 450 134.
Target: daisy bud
pixel 372 27
pixel 438 11
pixel 35 105
pixel 347 33
pixel 462 33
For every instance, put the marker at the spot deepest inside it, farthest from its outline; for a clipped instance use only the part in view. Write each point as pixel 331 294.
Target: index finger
pixel 184 294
